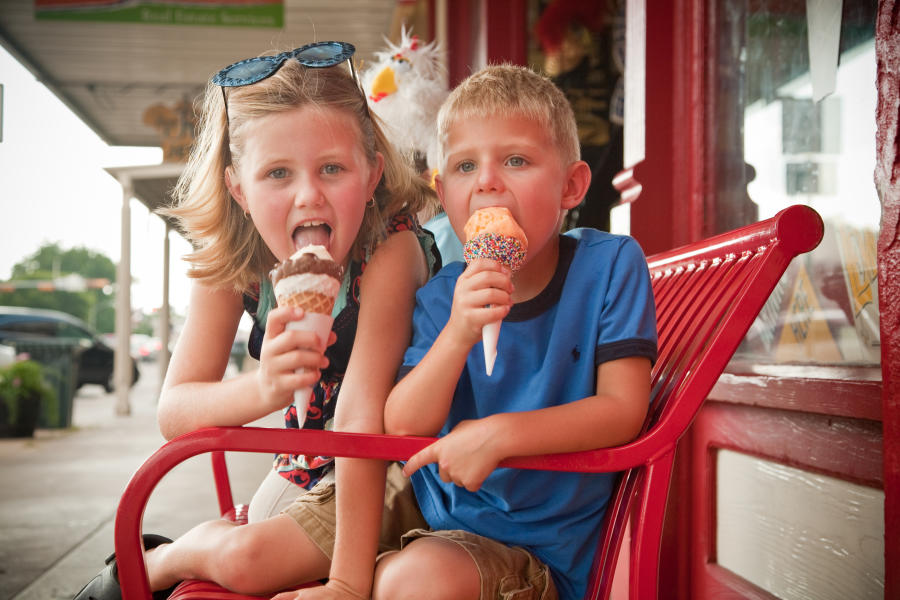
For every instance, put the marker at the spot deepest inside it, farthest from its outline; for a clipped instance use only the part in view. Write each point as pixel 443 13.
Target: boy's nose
pixel 489 179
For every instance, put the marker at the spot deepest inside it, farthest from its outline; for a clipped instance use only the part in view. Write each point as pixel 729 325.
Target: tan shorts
pixel 507 572
pixel 314 511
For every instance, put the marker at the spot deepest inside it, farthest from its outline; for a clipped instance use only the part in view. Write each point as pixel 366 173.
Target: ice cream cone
pixel 310 280
pixel 321 325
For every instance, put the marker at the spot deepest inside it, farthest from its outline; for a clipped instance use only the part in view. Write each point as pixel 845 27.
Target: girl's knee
pixel 429 567
pixel 237 562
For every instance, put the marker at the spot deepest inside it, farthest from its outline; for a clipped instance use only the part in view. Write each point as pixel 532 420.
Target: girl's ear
pixel 578 179
pixel 375 175
pixel 233 183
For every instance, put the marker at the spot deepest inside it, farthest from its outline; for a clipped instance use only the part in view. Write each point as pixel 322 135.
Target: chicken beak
pixel 384 84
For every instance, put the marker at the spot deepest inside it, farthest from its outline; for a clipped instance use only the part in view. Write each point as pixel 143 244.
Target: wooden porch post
pixel 122 359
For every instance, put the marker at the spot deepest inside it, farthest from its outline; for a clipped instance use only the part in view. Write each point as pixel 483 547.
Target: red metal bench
pixel 707 296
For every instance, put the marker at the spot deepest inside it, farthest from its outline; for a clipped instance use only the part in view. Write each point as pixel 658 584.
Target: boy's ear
pixel 439 188
pixel 578 179
pixel 233 183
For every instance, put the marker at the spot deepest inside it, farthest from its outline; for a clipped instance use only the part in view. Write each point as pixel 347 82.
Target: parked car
pixel 145 347
pixel 33 325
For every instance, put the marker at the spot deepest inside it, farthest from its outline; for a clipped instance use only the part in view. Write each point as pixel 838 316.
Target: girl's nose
pixel 308 195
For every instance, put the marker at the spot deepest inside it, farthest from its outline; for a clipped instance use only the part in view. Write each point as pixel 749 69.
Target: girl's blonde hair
pixel 511 90
pixel 228 250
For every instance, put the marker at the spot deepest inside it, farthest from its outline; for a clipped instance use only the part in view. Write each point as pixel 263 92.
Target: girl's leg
pixel 257 558
pixel 428 567
pixel 273 495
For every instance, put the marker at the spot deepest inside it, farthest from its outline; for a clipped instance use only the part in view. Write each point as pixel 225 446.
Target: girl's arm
pixel 387 294
pixel 194 394
pixel 611 417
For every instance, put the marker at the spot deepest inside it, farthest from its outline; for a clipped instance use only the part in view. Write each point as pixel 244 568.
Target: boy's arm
pixel 611 417
pixel 420 402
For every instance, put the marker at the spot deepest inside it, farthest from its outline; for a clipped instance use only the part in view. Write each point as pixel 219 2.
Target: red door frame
pixel 887 181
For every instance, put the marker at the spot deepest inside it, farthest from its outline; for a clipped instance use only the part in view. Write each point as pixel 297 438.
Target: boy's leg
pixel 460 564
pixel 429 567
pixel 257 558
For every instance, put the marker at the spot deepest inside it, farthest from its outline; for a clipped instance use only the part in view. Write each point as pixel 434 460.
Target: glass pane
pixel 777 146
pixel 798 534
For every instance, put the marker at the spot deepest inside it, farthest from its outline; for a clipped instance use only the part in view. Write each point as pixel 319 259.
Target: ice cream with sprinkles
pixel 493 233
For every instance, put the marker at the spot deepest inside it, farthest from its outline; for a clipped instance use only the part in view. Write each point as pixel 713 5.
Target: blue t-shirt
pixel 598 307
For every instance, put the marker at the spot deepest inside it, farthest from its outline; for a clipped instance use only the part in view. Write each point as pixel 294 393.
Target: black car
pixel 32 325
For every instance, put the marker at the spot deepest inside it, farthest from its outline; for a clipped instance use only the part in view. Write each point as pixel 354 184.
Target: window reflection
pixel 795 150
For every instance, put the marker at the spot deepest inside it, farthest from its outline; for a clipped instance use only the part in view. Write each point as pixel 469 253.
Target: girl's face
pixel 304 179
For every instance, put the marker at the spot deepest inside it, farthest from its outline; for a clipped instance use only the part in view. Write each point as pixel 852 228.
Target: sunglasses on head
pixel 316 55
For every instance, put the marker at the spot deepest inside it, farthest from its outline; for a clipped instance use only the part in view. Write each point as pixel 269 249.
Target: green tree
pixel 49 262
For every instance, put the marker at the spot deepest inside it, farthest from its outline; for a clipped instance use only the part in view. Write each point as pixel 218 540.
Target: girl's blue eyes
pixel 329 169
pixel 467 166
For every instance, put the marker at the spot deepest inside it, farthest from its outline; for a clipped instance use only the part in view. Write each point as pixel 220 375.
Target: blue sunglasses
pixel 316 55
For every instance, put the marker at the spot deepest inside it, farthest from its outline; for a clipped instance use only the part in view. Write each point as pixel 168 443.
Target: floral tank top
pixel 302 470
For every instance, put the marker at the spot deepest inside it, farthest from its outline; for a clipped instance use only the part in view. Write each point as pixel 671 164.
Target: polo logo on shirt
pixel 576 354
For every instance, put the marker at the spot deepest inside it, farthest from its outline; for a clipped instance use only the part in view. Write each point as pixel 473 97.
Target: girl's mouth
pixel 316 233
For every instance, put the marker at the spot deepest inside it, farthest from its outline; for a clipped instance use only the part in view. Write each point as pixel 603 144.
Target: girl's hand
pixel 329 591
pixel 482 296
pixel 290 359
pixel 465 456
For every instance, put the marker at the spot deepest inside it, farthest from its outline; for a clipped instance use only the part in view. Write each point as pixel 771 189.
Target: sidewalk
pixel 59 491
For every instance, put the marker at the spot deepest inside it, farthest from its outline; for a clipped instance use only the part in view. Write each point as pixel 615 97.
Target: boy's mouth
pixel 316 233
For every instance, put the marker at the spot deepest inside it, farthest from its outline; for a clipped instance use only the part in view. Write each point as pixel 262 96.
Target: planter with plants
pixel 24 394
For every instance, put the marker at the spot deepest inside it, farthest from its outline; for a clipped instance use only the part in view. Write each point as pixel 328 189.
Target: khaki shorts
pixel 314 511
pixel 507 572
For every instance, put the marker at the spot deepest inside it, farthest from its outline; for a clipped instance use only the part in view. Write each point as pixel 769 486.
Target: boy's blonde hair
pixel 228 250
pixel 511 90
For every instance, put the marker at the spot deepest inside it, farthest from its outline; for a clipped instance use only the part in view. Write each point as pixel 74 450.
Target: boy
pixel 572 372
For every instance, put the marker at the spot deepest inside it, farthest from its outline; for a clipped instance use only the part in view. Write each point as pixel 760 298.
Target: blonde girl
pixel 288 155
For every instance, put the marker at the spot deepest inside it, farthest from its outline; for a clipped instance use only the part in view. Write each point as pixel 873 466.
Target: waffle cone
pixel 311 302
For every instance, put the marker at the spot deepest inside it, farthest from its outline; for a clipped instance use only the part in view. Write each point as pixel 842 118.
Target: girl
pixel 288 155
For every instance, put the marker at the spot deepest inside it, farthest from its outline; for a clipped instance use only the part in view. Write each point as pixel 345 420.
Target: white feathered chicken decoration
pixel 405 88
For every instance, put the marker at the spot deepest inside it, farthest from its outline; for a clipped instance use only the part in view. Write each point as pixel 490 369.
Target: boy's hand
pixel 290 359
pixel 482 296
pixel 465 456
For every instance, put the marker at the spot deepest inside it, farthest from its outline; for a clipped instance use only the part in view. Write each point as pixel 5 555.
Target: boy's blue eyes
pixel 467 166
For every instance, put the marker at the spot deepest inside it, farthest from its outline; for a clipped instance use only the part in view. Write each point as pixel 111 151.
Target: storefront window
pixel 777 144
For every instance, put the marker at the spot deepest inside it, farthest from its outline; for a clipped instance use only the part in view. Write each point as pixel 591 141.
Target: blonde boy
pixel 573 368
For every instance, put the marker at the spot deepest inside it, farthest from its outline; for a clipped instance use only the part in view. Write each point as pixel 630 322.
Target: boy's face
pixel 512 162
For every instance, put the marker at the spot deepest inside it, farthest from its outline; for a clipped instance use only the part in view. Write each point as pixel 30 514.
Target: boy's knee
pixel 428 568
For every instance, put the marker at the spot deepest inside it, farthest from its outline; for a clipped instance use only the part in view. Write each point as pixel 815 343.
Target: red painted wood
pixel 507 24
pixel 887 181
pixel 838 391
pixel 665 190
pixel 461 17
